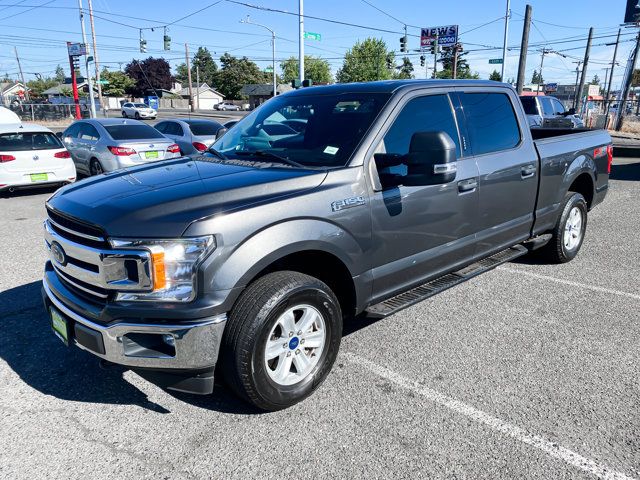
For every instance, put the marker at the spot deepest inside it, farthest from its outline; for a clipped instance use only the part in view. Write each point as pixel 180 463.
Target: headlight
pixel 173 266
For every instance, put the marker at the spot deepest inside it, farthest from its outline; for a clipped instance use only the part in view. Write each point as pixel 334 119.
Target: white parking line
pixel 513 431
pixel 569 282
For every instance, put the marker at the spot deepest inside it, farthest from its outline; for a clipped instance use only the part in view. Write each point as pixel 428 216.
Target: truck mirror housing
pixel 431 159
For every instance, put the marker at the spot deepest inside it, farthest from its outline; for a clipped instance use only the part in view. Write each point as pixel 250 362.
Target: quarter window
pixel 491 122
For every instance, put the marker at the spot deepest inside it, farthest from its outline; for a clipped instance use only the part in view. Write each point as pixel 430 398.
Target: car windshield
pixel 127 131
pixel 529 104
pixel 204 128
pixel 18 142
pixel 311 130
pixel 140 105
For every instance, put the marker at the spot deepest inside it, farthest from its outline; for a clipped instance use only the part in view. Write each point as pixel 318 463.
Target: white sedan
pixel 224 106
pixel 31 156
pixel 138 111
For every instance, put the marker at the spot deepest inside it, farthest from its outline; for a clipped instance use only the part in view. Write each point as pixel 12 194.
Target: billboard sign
pixel 76 49
pixel 551 87
pixel 447 36
pixel 632 12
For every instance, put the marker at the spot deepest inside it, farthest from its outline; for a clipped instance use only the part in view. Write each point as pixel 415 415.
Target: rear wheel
pixel 568 234
pixel 281 339
pixel 95 167
pixel 124 114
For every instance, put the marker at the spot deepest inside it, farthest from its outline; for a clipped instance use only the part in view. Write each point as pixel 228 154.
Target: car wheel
pixel 281 339
pixel 568 234
pixel 95 167
pixel 137 116
pixel 124 114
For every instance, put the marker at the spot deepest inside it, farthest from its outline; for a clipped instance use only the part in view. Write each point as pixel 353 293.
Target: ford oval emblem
pixel 36 157
pixel 151 146
pixel 57 252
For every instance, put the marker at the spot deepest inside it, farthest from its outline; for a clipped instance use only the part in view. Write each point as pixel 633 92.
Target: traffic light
pixel 390 64
pixel 167 42
pixel 434 47
pixel 143 45
pixel 422 59
pixel 403 44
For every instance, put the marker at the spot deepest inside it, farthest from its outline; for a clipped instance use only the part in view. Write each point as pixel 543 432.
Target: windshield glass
pixel 140 105
pixel 18 142
pixel 312 130
pixel 529 104
pixel 127 131
pixel 204 128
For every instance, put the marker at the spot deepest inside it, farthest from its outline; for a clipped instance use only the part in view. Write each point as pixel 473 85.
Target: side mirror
pixel 59 135
pixel 571 111
pixel 431 159
pixel 221 132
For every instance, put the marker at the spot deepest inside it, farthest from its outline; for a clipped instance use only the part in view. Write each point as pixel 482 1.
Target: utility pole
pixel 606 74
pixel 522 64
pixel 613 63
pixel 544 51
pixel 26 90
pixel 95 53
pixel 622 103
pixel 86 63
pixel 198 86
pixel 186 54
pixel 435 57
pixel 504 43
pixel 301 44
pixel 579 62
pixel 455 61
pixel 583 77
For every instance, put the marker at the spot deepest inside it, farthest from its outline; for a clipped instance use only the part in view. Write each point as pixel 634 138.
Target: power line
pixel 387 14
pixel 194 13
pixel 28 10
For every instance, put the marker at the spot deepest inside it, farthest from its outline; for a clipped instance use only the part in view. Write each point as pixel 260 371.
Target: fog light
pixel 169 340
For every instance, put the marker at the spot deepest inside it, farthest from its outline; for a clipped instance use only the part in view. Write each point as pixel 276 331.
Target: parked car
pixel 192 136
pixel 138 111
pixel 246 107
pixel 252 259
pixel 107 144
pixel 230 124
pixel 32 156
pixel 548 112
pixel 223 106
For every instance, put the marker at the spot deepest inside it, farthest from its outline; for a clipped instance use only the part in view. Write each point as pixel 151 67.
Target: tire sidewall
pixel 285 395
pixel 576 200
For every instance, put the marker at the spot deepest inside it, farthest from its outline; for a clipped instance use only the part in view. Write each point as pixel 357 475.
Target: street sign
pixel 104 82
pixel 495 60
pixel 268 69
pixel 447 36
pixel 76 49
pixel 312 36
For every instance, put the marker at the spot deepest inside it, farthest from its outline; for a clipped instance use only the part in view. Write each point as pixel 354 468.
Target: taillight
pixel 173 148
pixel 122 151
pixel 7 158
pixel 609 157
pixel 201 147
pixel 63 154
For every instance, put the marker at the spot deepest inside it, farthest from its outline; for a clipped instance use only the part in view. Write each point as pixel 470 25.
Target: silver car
pixel 192 136
pixel 107 144
pixel 224 106
pixel 138 111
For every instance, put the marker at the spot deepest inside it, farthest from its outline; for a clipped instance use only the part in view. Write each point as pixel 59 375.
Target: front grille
pixel 77 230
pixel 88 292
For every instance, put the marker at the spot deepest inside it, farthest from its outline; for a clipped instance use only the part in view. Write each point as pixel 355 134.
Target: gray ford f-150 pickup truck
pixel 323 203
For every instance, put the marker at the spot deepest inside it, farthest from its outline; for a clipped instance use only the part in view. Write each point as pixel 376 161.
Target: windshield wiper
pixel 218 154
pixel 265 153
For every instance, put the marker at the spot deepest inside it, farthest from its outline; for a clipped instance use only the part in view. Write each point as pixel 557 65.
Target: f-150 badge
pixel 347 203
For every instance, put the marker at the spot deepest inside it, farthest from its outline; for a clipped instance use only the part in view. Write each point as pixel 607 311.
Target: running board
pixel 440 284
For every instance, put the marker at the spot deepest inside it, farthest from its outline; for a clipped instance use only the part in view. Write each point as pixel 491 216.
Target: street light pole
pixel 273 50
pixel 86 63
pixel 506 34
pixel 301 40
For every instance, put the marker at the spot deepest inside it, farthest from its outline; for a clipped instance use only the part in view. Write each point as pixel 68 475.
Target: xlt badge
pixel 347 203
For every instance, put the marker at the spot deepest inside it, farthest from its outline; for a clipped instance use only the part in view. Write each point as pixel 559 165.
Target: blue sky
pixel 40 33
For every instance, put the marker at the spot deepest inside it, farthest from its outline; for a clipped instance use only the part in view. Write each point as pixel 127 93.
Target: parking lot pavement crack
pixel 513 431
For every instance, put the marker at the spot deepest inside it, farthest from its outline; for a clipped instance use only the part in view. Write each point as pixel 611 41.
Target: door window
pixel 174 128
pixel 491 122
pixel 161 127
pixel 72 131
pixel 547 107
pixel 88 132
pixel 558 108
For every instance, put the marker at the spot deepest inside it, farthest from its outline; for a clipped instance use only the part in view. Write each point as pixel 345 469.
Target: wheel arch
pixel 584 184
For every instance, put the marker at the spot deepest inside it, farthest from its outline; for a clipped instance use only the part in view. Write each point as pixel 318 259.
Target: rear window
pixel 529 104
pixel 19 142
pixel 204 128
pixel 132 132
pixel 140 105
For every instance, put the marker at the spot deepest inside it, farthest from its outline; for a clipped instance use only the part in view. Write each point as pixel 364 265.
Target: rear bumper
pixel 58 176
pixel 168 347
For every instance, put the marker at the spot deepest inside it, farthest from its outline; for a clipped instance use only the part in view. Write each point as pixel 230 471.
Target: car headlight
pixel 174 264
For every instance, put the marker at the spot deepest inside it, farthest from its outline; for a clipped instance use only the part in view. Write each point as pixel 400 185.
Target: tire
pixel 95 167
pixel 256 322
pixel 561 248
pixel 124 115
pixel 137 116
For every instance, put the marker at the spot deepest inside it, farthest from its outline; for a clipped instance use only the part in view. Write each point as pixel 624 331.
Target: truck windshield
pixel 310 130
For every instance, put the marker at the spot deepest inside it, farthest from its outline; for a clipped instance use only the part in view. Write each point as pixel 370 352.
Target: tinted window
pixel 73 130
pixel 422 114
pixel 547 108
pixel 88 132
pixel 558 108
pixel 204 128
pixel 174 128
pixel 530 106
pixel 132 132
pixel 18 142
pixel 161 127
pixel 491 122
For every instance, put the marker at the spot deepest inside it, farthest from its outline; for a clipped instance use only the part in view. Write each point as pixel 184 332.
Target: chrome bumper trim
pixel 196 345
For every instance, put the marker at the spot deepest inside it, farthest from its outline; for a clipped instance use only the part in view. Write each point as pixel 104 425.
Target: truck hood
pixel 161 199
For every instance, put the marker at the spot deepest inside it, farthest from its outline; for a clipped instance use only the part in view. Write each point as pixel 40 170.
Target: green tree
pixel 367 61
pixel 595 80
pixel 59 76
pixel 495 75
pixel 405 70
pixel 315 69
pixel 203 61
pixel 536 78
pixel 149 75
pixel 36 87
pixel 462 66
pixel 182 74
pixel 119 83
pixel 235 73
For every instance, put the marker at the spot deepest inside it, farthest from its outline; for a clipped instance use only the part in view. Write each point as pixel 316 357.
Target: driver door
pixel 420 231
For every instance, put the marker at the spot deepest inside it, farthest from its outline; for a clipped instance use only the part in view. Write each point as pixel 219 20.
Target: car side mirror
pixel 221 132
pixel 59 135
pixel 431 159
pixel 571 111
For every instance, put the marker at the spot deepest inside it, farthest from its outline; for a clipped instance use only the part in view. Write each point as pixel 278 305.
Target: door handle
pixel 528 171
pixel 467 185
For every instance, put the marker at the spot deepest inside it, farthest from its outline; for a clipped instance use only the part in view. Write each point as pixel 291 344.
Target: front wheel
pixel 124 114
pixel 281 339
pixel 568 234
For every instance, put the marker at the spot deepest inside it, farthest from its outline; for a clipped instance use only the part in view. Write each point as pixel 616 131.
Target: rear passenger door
pixel 507 166
pixel 86 142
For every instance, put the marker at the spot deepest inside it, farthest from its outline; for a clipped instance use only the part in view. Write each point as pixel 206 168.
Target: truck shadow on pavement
pixel 41 360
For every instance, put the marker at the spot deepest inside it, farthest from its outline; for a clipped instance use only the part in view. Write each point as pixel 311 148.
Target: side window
pixel 558 108
pixel 161 127
pixel 422 114
pixel 72 131
pixel 547 106
pixel 491 122
pixel 89 132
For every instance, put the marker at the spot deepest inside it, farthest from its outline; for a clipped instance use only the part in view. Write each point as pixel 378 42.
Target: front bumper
pixel 195 344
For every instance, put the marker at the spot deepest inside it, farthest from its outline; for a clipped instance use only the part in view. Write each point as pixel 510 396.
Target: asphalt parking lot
pixel 528 371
